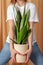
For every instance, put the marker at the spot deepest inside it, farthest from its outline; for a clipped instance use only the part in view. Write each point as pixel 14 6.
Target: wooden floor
pixel 29 63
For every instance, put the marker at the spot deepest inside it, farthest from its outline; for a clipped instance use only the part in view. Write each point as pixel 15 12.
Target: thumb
pixel 27 59
pixel 14 58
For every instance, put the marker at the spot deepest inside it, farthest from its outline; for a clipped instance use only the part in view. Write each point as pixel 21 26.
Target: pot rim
pixel 21 44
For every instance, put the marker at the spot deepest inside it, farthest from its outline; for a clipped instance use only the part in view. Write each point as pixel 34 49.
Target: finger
pixel 16 52
pixel 14 58
pixel 27 59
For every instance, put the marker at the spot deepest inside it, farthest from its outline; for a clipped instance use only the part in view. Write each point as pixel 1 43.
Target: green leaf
pixel 22 33
pixel 22 28
pixel 18 18
pixel 27 17
pixel 23 18
pixel 26 36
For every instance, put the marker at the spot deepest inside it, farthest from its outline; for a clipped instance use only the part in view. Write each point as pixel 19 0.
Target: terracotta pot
pixel 20 48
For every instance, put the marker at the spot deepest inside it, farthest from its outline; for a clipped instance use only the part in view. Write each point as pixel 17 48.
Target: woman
pixel 8 52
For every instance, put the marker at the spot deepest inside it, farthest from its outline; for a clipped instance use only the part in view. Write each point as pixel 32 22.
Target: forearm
pixel 11 35
pixel 31 36
pixel 30 40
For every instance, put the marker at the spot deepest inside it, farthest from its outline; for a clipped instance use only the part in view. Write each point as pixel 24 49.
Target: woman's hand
pixel 28 53
pixel 14 52
pixel 13 55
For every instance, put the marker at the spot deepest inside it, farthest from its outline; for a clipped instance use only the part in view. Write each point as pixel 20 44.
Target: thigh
pixel 36 55
pixel 5 54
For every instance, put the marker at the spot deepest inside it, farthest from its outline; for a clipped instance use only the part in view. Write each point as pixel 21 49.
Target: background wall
pixel 4 26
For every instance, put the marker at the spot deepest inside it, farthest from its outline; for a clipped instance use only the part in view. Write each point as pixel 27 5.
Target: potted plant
pixel 22 31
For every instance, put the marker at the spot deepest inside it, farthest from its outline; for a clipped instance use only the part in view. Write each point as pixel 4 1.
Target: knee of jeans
pixel 5 57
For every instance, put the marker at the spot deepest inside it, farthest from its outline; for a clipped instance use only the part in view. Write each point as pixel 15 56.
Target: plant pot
pixel 20 48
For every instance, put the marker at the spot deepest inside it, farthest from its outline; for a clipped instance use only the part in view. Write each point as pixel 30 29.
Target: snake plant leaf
pixel 22 34
pixel 16 31
pixel 26 36
pixel 27 16
pixel 22 28
pixel 18 17
pixel 23 18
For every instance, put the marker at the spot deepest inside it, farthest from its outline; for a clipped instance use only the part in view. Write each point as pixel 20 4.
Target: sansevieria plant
pixel 22 28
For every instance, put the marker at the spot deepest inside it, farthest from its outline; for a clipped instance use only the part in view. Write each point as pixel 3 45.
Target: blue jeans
pixel 36 56
pixel 5 54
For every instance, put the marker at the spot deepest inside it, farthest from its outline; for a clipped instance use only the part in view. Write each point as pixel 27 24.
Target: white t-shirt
pixel 11 14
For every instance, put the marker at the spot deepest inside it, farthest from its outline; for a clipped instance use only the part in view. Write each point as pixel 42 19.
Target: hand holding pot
pixel 13 55
pixel 27 53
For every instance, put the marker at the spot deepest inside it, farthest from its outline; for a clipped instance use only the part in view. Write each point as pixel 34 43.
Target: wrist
pixel 11 45
pixel 30 48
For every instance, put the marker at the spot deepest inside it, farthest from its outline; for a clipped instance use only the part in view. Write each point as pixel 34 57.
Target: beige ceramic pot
pixel 20 48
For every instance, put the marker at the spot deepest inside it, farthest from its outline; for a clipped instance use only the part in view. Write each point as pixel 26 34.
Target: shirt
pixel 11 14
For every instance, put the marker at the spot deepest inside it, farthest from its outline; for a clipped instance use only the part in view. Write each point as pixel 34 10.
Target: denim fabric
pixel 36 55
pixel 5 54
